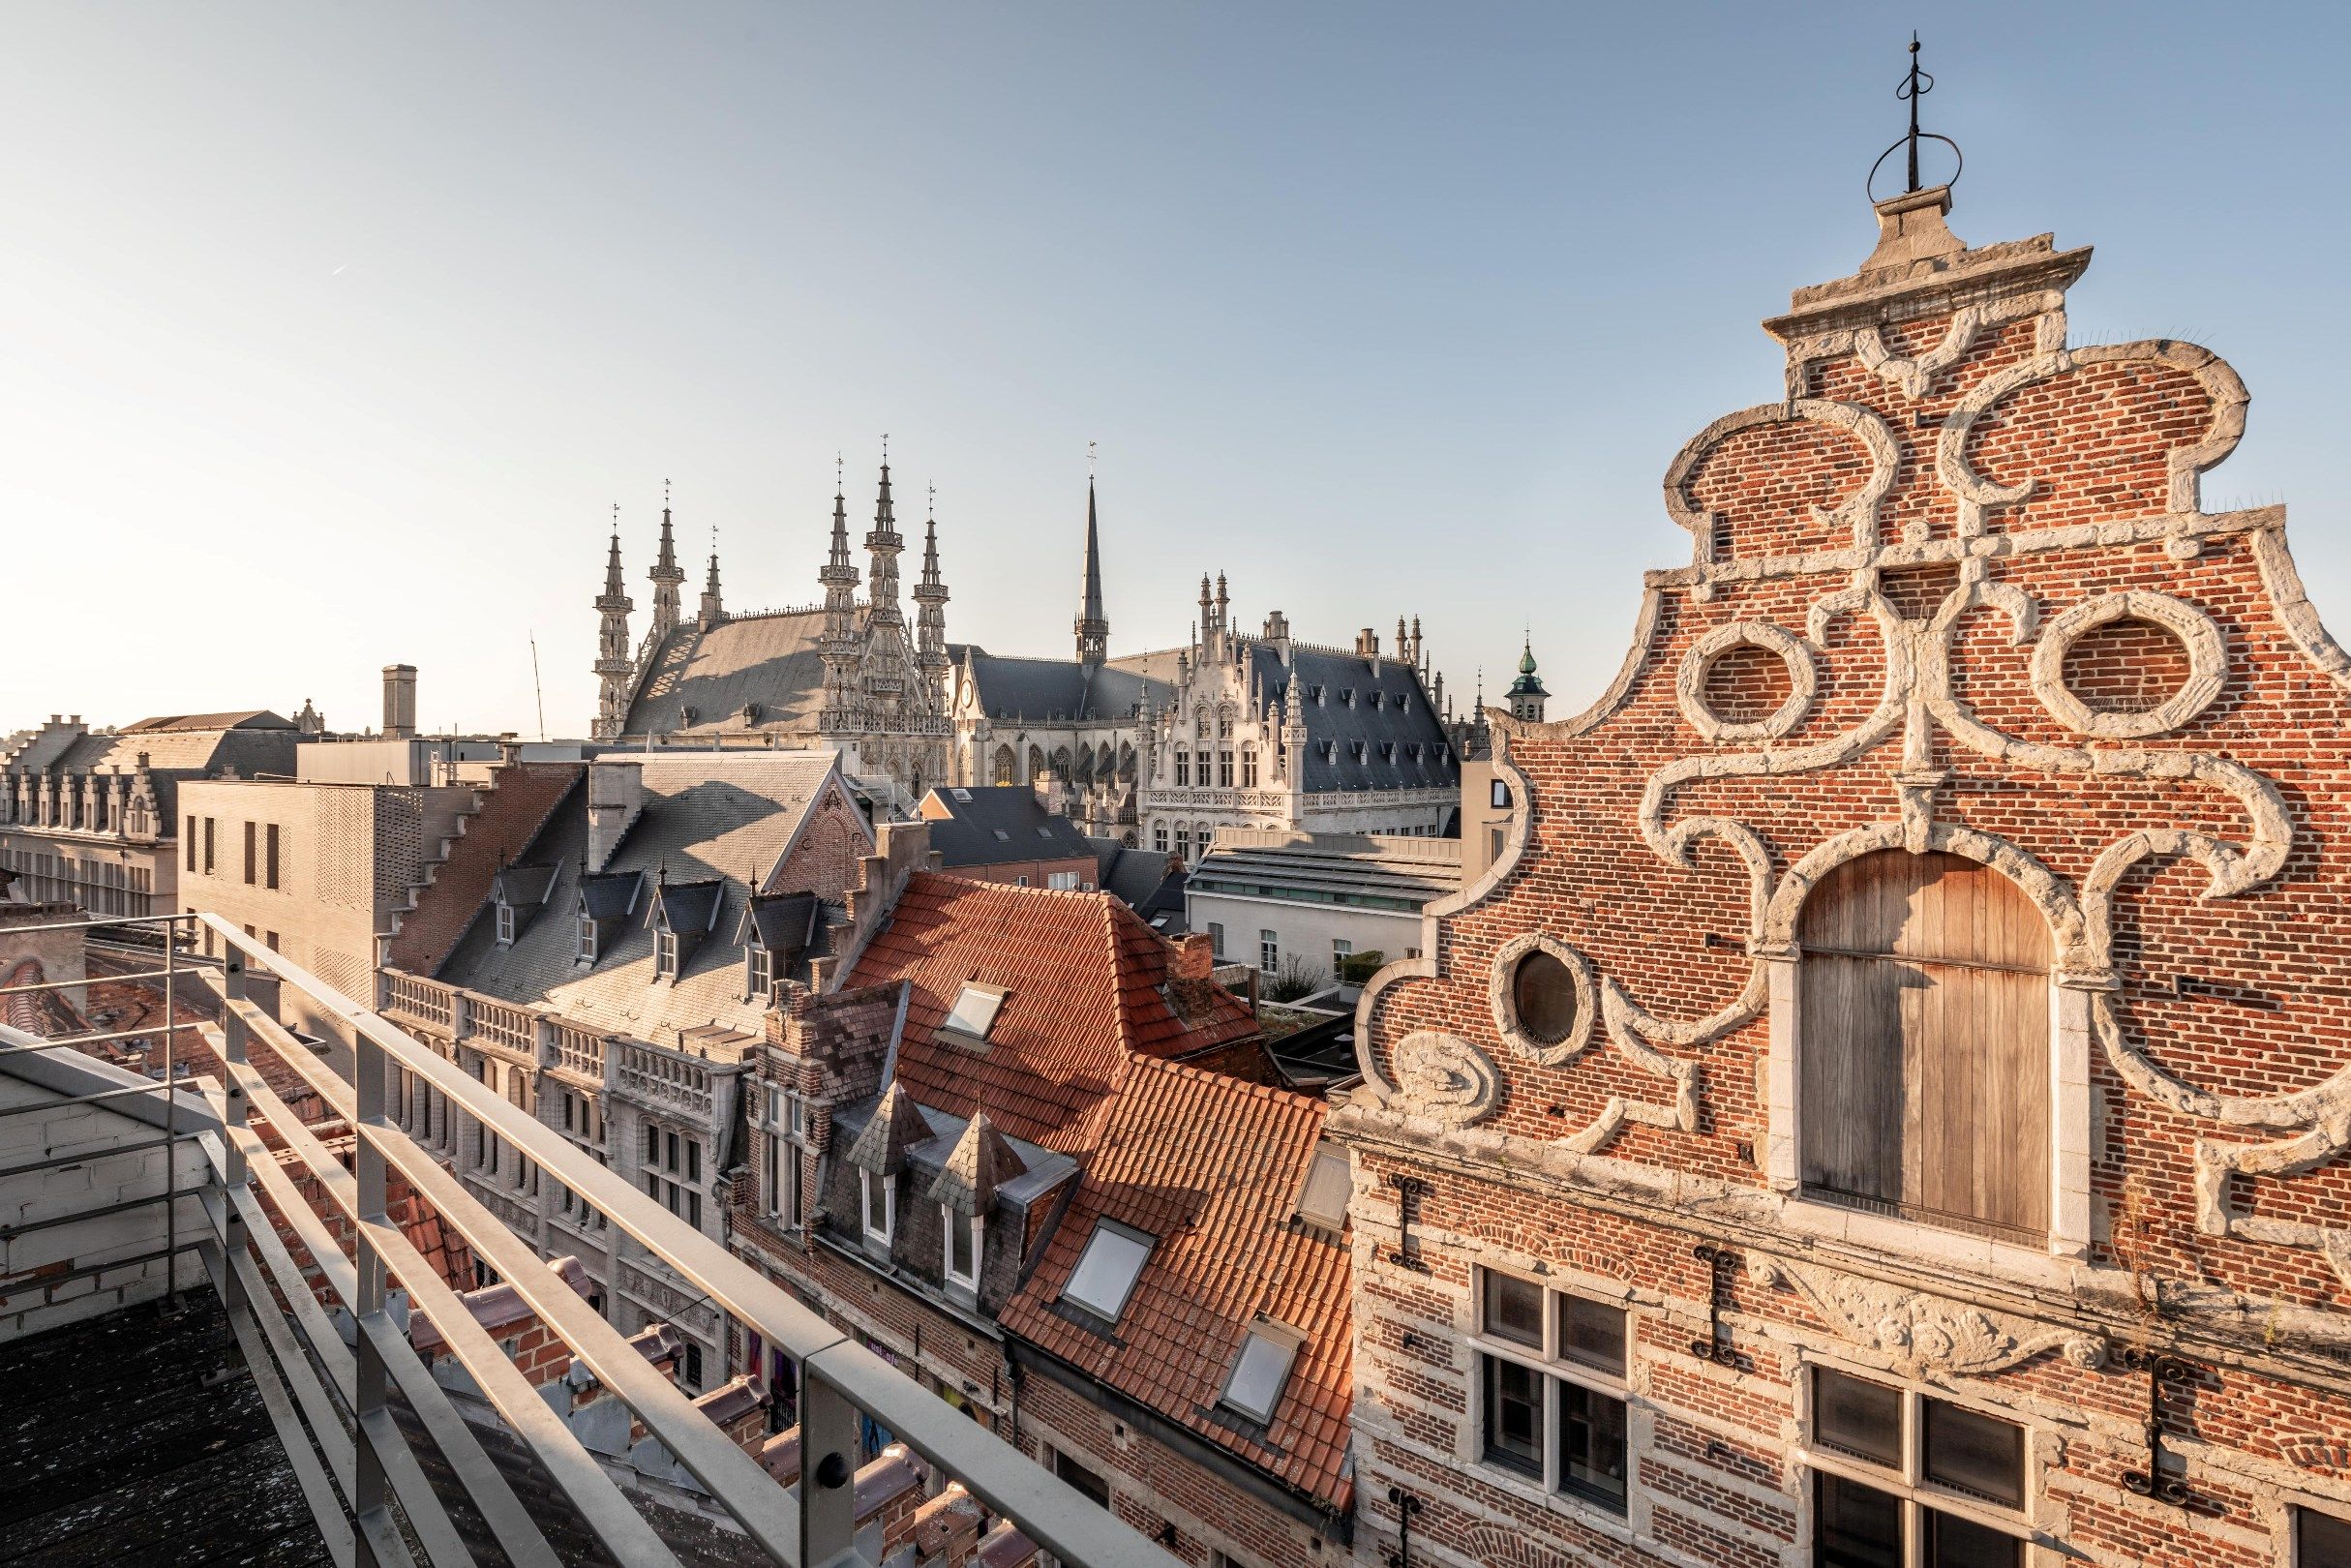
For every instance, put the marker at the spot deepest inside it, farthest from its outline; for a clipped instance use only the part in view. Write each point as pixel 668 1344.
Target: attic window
pixel 1387 751
pixel 974 1010
pixel 760 983
pixel 1347 696
pixel 1329 1182
pixel 505 925
pixel 665 952
pixel 1260 1370
pixel 1045 832
pixel 1412 749
pixel 1377 698
pixel 1355 749
pixel 1107 1269
pixel 588 936
pixel 1314 694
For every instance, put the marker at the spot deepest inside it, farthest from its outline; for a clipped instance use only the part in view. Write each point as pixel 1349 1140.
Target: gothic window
pixel 1183 768
pixel 1224 769
pixel 1923 1044
pixel 1037 761
pixel 1249 768
pixel 1006 763
pixel 1125 762
pixel 1199 725
pixel 1061 761
pixel 1225 722
pixel 1159 836
pixel 1183 842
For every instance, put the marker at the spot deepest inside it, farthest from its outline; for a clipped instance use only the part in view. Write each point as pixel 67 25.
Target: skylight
pixel 960 794
pixel 1329 1184
pixel 1107 1269
pixel 1260 1370
pixel 1003 837
pixel 974 1010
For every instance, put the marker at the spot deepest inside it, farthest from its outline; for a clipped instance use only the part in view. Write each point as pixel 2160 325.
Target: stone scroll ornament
pixel 1918 1334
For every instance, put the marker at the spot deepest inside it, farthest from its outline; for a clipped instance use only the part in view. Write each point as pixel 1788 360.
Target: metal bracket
pixel 1408 1193
pixel 2163 1371
pixel 1721 1263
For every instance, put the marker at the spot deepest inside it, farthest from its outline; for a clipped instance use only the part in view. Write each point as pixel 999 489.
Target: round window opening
pixel 1543 990
pixel 2126 666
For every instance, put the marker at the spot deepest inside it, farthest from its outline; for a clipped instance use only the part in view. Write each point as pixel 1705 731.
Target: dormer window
pixel 880 1194
pixel 1377 699
pixel 1107 1269
pixel 1347 696
pixel 1255 1386
pixel 963 1236
pixel 505 925
pixel 974 1010
pixel 665 953
pixel 760 977
pixel 1387 751
pixel 965 795
pixel 587 938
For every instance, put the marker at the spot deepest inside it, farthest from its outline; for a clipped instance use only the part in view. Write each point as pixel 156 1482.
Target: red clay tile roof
pixel 1083 975
pixel 1211 1167
pixel 516 805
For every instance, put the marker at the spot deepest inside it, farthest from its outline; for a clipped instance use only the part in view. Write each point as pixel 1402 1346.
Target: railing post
pixel 232 1121
pixel 171 1122
pixel 829 1468
pixel 369 1491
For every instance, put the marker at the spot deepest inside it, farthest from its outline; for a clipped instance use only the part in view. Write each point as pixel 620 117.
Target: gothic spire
pixel 1093 625
pixel 881 546
pixel 714 610
pixel 930 616
pixel 840 575
pixel 613 666
pixel 667 575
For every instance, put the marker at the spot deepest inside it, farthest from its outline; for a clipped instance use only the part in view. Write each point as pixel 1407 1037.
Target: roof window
pixel 1003 837
pixel 1045 832
pixel 1107 1269
pixel 1347 696
pixel 1329 1182
pixel 1260 1370
pixel 974 1010
pixel 960 794
pixel 1375 701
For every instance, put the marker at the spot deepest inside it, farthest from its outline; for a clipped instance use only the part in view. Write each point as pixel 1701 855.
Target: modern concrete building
pixel 1297 904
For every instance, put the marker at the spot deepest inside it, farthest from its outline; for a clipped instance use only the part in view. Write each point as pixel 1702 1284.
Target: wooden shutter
pixel 1924 1041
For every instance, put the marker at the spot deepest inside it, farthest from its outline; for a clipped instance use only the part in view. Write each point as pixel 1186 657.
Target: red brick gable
pixel 520 799
pixel 1082 975
pixel 1210 1167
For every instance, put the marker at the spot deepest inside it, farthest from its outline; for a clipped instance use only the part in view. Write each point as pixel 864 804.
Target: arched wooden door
pixel 1923 1044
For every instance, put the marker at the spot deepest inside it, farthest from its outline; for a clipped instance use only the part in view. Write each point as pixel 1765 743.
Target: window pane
pixel 1258 1374
pixel 1855 1527
pixel 1591 1445
pixel 1329 1184
pixel 1952 1542
pixel 1975 1453
pixel 2321 1540
pixel 1857 1418
pixel 1106 1272
pixel 1591 1332
pixel 959 1243
pixel 1514 1310
pixel 1544 993
pixel 1095 1490
pixel 1514 1415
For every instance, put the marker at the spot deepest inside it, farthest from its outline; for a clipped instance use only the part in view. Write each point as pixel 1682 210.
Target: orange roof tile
pixel 1083 976
pixel 1211 1167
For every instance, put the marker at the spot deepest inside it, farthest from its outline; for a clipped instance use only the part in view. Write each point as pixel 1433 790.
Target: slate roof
pixel 508 815
pixel 1150 882
pixel 1335 868
pixel 250 718
pixel 1211 1168
pixel 727 815
pixel 525 886
pixel 194 746
pixel 701 681
pixel 1419 755
pixel 785 923
pixel 982 1160
pixel 1040 689
pixel 990 824
pixel 1082 975
pixel 691 908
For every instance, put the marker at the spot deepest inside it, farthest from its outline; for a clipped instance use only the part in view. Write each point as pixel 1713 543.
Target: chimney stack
pixel 400 701
pixel 616 796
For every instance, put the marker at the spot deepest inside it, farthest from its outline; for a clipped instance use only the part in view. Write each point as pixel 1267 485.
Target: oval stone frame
pixel 1690 683
pixel 2198 634
pixel 1499 995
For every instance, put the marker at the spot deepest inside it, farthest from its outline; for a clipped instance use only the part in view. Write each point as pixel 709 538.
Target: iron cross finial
pixel 1915 84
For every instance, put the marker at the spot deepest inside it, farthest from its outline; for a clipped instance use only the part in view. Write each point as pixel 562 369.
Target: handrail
pixel 840 1378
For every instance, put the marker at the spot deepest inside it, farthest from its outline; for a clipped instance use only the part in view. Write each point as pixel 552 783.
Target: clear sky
pixel 329 334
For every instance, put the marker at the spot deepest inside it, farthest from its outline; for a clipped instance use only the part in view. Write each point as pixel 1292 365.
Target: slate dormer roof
pixel 689 909
pixel 982 1160
pixel 896 1127
pixel 783 923
pixel 1344 738
pixel 522 886
pixel 609 895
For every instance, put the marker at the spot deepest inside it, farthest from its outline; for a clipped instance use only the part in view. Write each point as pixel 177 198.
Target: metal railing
pixel 810 1525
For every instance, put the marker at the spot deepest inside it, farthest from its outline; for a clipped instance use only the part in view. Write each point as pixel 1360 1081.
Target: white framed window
pixel 962 1238
pixel 1062 880
pixel 1497 795
pixel 587 938
pixel 1910 1479
pixel 974 1010
pixel 1330 1182
pixel 1107 1269
pixel 1020 882
pixel 880 1206
pixel 505 925
pixel 1269 951
pixel 1216 938
pixel 1552 1397
pixel 783 1179
pixel 1253 1386
pixel 760 976
pixel 665 953
pixel 1341 949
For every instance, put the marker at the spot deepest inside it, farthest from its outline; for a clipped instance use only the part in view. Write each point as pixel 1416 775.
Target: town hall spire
pixel 613 663
pixel 840 575
pixel 881 546
pixel 667 575
pixel 713 610
pixel 930 618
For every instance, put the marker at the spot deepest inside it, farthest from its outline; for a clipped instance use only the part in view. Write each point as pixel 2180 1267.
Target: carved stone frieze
pixel 1444 1078
pixel 1920 1334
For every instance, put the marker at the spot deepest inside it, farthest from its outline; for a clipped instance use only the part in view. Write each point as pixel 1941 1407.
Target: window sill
pixel 2052 1266
pixel 1565 1504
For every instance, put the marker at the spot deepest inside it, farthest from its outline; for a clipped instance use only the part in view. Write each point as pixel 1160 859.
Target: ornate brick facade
pixel 1953 602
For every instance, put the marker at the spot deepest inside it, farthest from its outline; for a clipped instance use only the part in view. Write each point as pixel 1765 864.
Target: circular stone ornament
pixel 1502 995
pixel 2198 632
pixel 1690 683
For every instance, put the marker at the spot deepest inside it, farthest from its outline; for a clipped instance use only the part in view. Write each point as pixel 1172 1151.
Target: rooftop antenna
pixel 536 689
pixel 1915 85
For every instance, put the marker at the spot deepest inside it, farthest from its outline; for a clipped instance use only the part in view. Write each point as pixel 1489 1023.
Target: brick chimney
pixel 399 700
pixel 1190 988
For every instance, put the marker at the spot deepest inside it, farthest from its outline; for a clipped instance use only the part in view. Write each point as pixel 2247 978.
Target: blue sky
pixel 333 333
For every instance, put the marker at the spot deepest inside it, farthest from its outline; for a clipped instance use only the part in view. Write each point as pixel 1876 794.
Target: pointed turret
pixel 714 610
pixel 930 618
pixel 1093 625
pixel 1526 694
pixel 667 578
pixel 840 575
pixel 613 663
pixel 881 546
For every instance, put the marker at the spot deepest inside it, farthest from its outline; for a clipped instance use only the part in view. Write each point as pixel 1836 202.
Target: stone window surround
pixel 2070 1048
pixel 1469 1449
pixel 1910 1484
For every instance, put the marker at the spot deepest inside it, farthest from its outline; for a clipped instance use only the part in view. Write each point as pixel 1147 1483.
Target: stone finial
pixel 1911 230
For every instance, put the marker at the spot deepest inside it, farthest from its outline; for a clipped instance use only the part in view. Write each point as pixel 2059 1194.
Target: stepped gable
pixel 1083 977
pixel 507 818
pixel 1211 1167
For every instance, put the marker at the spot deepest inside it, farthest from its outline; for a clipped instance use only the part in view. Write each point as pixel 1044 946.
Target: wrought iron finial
pixel 840 467
pixel 665 494
pixel 1915 84
pixel 1089 454
pixel 932 502
pixel 886 449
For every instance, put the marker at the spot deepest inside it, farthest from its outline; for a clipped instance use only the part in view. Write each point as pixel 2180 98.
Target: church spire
pixel 1093 625
pixel 840 575
pixel 713 610
pixel 881 546
pixel 613 666
pixel 667 575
